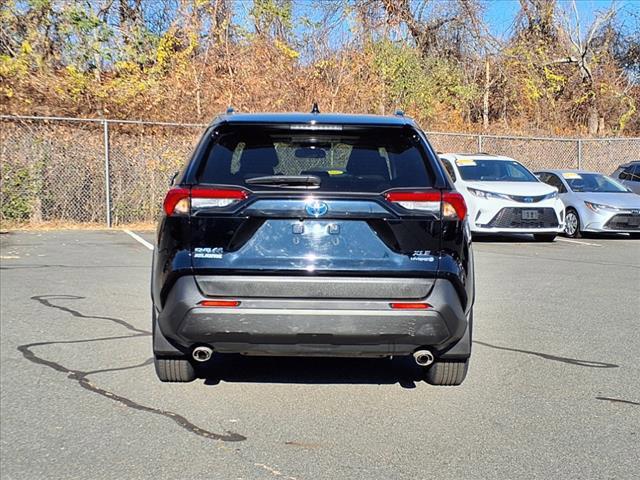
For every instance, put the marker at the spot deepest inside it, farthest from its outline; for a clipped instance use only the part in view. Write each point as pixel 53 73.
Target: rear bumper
pixel 311 326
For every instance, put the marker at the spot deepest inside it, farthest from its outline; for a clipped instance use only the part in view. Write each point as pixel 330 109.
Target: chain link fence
pixel 142 160
pixel 600 155
pixel 117 172
pixel 88 171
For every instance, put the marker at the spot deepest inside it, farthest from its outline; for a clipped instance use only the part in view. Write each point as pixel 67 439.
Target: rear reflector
pixel 410 306
pixel 451 204
pixel 219 303
pixel 180 201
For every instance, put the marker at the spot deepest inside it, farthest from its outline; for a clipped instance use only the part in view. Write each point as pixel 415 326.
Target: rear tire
pixel 174 369
pixel 572 224
pixel 544 237
pixel 447 372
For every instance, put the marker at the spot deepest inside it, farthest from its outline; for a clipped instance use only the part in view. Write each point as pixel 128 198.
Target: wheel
pixel 544 237
pixel 447 372
pixel 174 369
pixel 572 224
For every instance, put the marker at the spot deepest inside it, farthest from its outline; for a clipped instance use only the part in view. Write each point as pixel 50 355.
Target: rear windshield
pixel 371 159
pixel 494 171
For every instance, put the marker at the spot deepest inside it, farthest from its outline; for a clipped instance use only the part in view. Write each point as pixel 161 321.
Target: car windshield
pixel 363 159
pixel 491 170
pixel 592 183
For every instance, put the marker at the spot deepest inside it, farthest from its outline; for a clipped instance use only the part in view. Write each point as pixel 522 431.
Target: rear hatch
pixel 342 211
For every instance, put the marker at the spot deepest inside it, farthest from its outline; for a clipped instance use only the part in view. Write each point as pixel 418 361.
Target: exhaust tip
pixel 202 354
pixel 423 358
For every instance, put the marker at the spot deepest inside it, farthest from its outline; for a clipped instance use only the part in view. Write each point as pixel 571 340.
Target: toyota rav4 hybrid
pixel 313 235
pixel 504 197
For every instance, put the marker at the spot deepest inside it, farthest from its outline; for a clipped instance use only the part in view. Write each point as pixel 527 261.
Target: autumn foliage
pixel 187 60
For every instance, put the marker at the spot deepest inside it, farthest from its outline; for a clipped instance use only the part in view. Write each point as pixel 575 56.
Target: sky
pixel 500 14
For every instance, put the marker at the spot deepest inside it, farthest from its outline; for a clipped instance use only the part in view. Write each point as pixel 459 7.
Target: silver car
pixel 594 202
pixel 628 174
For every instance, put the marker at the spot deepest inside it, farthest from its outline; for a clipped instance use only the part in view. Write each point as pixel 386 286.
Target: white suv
pixel 503 196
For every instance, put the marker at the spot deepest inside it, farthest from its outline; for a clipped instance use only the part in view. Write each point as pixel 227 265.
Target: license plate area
pixel 530 215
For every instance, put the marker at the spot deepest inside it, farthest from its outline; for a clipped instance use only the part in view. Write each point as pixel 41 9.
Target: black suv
pixel 313 235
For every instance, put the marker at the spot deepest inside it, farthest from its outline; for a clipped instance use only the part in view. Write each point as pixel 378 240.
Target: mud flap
pixel 161 346
pixel 462 348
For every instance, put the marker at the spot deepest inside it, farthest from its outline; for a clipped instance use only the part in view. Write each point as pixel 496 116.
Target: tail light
pixel 451 204
pixel 176 202
pixel 410 306
pixel 180 201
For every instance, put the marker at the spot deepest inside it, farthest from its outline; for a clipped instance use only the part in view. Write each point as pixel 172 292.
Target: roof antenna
pixel 230 110
pixel 314 108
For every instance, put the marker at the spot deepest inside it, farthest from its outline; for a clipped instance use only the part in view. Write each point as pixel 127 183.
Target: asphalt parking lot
pixel 553 389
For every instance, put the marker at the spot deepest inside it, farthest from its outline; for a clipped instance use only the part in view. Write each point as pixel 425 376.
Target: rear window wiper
pixel 300 181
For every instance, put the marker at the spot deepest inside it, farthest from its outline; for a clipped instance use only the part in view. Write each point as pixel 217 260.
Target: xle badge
pixel 422 256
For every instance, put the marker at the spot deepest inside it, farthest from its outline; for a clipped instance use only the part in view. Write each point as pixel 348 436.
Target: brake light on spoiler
pixel 180 201
pixel 451 204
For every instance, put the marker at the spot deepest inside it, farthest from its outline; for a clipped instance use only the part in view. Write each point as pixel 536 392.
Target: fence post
pixel 579 154
pixel 479 143
pixel 107 177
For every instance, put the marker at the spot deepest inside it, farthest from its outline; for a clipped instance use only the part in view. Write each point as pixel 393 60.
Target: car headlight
pixel 598 207
pixel 485 194
pixel 551 195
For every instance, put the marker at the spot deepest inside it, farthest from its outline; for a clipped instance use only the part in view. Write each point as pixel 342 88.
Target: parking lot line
pixel 138 238
pixel 578 242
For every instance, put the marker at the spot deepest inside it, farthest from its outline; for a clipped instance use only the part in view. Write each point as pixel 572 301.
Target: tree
pixel 185 60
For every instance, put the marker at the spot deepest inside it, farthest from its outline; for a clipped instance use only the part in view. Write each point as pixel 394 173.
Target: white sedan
pixel 503 196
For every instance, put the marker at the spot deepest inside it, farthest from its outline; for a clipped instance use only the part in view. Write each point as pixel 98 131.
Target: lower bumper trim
pixel 300 328
pixel 312 327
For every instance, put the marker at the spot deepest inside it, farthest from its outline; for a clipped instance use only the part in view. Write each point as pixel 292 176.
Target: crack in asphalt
pixel 618 400
pixel 546 356
pixel 81 376
pixel 43 299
